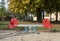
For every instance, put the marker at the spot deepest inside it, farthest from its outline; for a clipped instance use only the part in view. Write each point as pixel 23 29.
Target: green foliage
pixel 2 9
pixel 52 5
pixel 23 6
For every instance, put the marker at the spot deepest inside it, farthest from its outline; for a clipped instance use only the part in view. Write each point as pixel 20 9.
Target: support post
pixel 26 29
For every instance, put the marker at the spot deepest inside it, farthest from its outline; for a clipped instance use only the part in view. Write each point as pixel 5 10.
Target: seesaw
pixel 14 22
pixel 30 25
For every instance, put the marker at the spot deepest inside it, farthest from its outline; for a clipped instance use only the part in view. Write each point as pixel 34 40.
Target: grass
pixel 4 26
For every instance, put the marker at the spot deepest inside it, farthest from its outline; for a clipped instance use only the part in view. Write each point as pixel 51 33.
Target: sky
pixel 0 0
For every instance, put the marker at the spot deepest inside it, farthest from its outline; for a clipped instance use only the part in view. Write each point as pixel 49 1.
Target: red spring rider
pixel 13 23
pixel 46 23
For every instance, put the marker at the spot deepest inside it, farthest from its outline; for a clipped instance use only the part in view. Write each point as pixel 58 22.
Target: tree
pixel 52 6
pixel 18 6
pixel 57 8
pixel 2 9
pixel 24 6
pixel 34 6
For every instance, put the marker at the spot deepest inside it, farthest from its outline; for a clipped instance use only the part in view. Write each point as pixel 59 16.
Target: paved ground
pixel 7 35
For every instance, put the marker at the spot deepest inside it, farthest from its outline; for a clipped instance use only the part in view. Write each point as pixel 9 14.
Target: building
pixel 53 16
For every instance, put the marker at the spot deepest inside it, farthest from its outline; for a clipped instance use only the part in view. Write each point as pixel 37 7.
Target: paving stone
pixel 22 36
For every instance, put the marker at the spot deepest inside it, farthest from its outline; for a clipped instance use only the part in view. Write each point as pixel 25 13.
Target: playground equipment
pixel 26 26
pixel 14 22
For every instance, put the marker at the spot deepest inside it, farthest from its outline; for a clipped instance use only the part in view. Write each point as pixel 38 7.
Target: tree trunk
pixel 43 14
pixel 2 20
pixel 56 16
pixel 39 15
pixel 25 17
